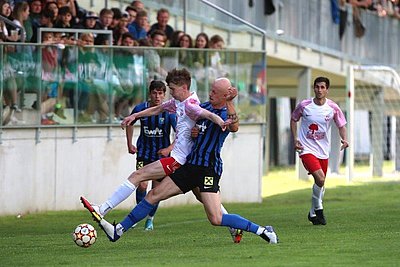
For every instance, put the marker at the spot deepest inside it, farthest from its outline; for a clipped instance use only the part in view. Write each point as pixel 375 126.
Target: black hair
pixel 322 80
pixel 155 85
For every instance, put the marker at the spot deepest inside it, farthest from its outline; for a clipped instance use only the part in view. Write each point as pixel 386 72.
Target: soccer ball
pixel 84 235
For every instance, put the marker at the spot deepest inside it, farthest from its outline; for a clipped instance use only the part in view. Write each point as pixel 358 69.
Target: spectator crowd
pixel 88 92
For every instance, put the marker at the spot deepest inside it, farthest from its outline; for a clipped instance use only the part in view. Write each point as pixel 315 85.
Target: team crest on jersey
pixel 161 120
pixel 327 118
pixel 202 127
pixel 209 180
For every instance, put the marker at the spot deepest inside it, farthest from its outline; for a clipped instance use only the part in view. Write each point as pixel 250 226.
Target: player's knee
pixel 215 220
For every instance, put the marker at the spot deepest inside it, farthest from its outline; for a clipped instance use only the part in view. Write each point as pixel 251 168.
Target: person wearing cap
pixel 90 21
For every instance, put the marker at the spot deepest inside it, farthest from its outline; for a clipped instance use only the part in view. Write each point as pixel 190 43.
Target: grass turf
pixel 362 230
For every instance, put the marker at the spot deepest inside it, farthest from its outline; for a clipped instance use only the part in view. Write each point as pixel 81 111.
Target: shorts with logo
pixel 312 163
pixel 191 176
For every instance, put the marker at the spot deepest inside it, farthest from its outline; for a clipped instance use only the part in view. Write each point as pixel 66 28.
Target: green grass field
pixel 363 230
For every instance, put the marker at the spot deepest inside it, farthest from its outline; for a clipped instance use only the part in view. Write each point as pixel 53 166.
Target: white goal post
pixel 373 115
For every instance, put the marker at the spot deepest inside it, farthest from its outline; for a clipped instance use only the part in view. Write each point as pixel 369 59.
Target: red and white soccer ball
pixel 84 235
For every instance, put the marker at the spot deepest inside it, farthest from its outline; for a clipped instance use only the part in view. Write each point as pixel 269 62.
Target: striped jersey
pixel 207 146
pixel 154 132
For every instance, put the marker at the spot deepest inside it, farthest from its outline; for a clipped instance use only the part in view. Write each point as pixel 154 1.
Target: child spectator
pixel 137 28
pixel 64 19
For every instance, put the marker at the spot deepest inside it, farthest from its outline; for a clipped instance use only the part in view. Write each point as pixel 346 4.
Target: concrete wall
pixel 52 174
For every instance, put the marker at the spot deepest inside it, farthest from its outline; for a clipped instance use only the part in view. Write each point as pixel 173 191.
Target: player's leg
pixel 212 206
pixel 151 171
pixel 317 168
pixel 165 190
pixel 148 226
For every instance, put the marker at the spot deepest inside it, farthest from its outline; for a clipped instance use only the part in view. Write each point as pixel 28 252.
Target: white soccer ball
pixel 84 235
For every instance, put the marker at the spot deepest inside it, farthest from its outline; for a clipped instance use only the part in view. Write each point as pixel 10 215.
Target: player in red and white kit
pixel 312 141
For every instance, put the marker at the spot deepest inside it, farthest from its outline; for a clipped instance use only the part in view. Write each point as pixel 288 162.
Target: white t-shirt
pixel 187 112
pixel 315 127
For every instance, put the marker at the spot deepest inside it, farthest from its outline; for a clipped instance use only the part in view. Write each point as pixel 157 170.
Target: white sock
pixel 224 211
pixel 123 192
pixel 316 200
pixel 260 230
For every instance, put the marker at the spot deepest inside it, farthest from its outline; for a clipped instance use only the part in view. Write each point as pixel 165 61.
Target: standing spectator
pixel 6 11
pixel 312 141
pixel 156 72
pixel 117 15
pixel 70 4
pixel 162 23
pixel 20 15
pixel 137 28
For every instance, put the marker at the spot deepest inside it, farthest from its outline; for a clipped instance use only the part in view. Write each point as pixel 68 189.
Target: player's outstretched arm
pixel 144 113
pixel 205 114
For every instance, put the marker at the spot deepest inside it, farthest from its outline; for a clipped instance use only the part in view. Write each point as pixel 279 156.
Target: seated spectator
pixel 53 7
pixel 138 5
pixel 174 42
pixel 132 11
pixel 153 59
pixel 121 28
pixel 117 15
pixel 50 82
pixel 64 19
pixel 90 22
pixel 130 66
pixel 216 69
pixel 137 28
pixel 162 23
pixel 199 62
pixel 71 5
pixel 185 57
pixel 35 9
pixel 106 18
pixel 6 11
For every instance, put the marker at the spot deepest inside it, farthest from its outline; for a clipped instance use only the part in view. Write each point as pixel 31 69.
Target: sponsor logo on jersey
pixel 157 132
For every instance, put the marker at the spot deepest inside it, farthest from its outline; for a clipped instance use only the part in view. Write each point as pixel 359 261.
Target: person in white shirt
pixel 312 142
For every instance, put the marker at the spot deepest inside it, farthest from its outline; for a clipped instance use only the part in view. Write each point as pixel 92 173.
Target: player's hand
pixel 163 152
pixel 345 144
pixel 225 124
pixel 298 146
pixel 195 132
pixel 132 149
pixel 127 121
pixel 232 93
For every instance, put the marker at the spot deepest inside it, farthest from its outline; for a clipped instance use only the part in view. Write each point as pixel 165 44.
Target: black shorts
pixel 190 176
pixel 140 163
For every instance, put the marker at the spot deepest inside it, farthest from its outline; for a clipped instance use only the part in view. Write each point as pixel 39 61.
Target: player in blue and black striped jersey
pixel 153 142
pixel 202 170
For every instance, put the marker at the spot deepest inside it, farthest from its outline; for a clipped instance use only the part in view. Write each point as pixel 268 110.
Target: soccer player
pixel 203 169
pixel 153 142
pixel 313 140
pixel 186 106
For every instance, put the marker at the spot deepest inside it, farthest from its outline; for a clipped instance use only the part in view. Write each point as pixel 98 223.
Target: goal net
pixel 373 113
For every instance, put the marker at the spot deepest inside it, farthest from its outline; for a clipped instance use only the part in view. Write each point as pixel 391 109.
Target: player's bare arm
pixel 293 128
pixel 343 134
pixel 144 113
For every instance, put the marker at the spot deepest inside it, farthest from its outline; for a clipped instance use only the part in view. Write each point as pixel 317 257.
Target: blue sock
pixel 140 195
pixel 153 211
pixel 137 214
pixel 238 222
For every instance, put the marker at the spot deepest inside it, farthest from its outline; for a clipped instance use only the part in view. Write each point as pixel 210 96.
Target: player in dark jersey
pixel 153 142
pixel 203 169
